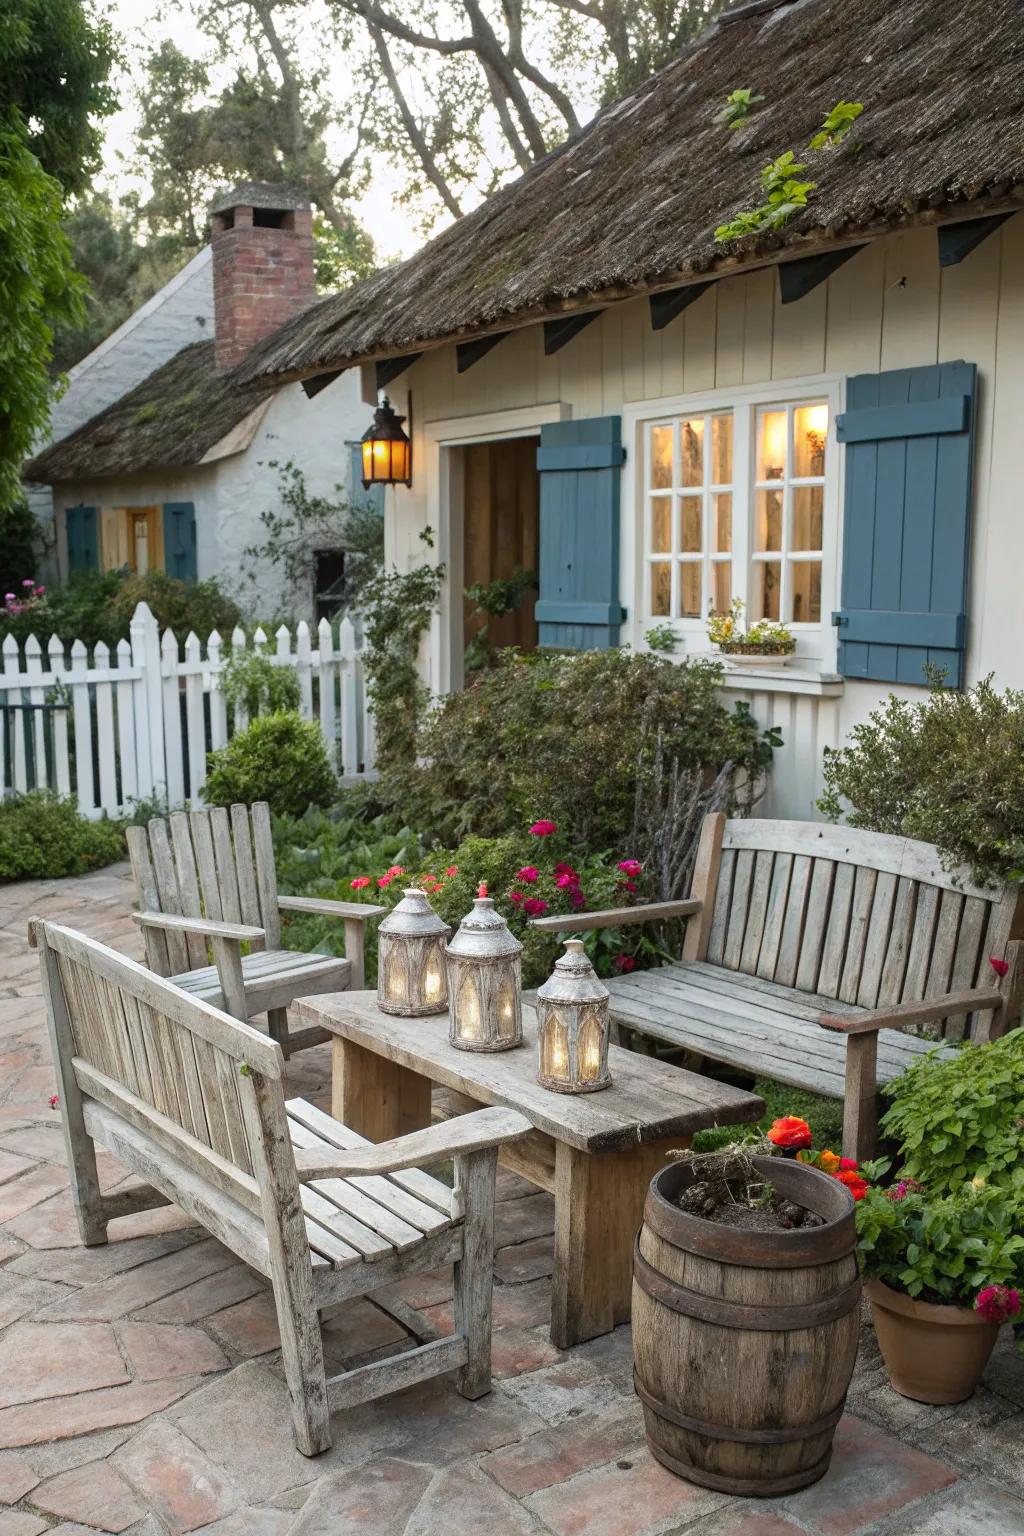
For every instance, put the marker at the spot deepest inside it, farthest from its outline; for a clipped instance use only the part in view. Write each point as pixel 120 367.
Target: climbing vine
pixel 784 193
pixel 396 608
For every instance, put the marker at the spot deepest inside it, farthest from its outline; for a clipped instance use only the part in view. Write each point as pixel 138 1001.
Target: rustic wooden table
pixel 595 1152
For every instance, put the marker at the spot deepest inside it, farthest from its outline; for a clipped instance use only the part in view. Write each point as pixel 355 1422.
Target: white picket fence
pixel 137 724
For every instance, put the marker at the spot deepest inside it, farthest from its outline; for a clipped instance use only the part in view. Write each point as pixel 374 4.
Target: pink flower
pixel 533 906
pixel 629 885
pixel 481 889
pixel 451 871
pixel 577 898
pixel 396 869
pixel 40 591
pixel 567 881
pixel 516 896
pixel 624 963
pixel 359 883
pixel 28 582
pixel 9 598
pixel 543 828
pixel 383 880
pixel 848 1164
pixel 632 867
pixel 997 1303
pixel 54 1100
pixel 999 966
pixel 564 869
pixel 528 874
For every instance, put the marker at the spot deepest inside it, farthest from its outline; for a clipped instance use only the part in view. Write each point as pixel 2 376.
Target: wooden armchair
pixel 191 1100
pixel 204 877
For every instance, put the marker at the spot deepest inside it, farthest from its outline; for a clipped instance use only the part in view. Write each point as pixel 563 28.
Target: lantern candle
pixel 484 981
pixel 572 1026
pixel 410 959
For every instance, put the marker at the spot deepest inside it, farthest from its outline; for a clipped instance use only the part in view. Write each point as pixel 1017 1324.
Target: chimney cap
pixel 259 194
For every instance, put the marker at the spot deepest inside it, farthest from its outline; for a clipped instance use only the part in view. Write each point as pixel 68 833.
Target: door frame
pixel 446 514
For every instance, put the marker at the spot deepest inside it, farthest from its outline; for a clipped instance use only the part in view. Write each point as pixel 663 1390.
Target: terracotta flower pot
pixel 934 1354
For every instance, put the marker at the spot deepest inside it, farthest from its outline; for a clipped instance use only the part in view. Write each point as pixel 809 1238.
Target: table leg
pixel 599 1200
pixel 374 1096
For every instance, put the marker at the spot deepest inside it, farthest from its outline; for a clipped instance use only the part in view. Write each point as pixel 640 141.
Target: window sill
pixel 796 677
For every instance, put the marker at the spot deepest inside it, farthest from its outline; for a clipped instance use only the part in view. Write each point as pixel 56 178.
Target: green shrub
pixel 824 1116
pixel 255 682
pixel 18 531
pixel 565 737
pixel 948 769
pixel 963 1117
pixel 44 838
pixel 280 758
pixel 98 605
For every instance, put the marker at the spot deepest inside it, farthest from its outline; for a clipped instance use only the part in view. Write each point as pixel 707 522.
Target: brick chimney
pixel 262 239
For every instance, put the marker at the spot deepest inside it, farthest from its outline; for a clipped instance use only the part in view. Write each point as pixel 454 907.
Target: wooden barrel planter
pixel 745 1341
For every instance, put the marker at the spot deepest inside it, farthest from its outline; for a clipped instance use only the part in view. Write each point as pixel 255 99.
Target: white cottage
pixel 822 418
pixel 175 468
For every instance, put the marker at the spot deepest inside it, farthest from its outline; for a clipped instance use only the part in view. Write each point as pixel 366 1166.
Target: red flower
pixel 533 906
pixel 481 889
pixel 516 896
pixel 567 881
pixel 624 963
pixel 564 869
pixel 383 880
pixel 628 885
pixel 791 1132
pixel 848 1164
pixel 360 882
pixel 857 1186
pixel 577 898
pixel 997 1303
pixel 999 966
pixel 396 869
pixel 631 867
pixel 543 828
pixel 54 1100
pixel 451 871
pixel 528 874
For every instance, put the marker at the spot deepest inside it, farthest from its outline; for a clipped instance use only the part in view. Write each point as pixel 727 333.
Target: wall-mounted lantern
pixel 386 449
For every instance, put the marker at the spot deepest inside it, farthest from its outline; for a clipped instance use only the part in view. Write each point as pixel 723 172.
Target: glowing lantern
pixel 485 982
pixel 411 976
pixel 386 449
pixel 572 1026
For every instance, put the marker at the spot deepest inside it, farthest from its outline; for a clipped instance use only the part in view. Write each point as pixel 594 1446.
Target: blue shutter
pixel 358 495
pixel 83 540
pixel 180 540
pixel 909 439
pixel 580 464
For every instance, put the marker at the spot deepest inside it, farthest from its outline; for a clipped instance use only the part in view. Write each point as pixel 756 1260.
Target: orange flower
pixel 829 1162
pixel 857 1186
pixel 790 1132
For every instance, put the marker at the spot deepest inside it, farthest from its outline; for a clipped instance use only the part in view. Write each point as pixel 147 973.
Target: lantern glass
pixel 484 982
pixel 386 450
pixel 411 977
pixel 572 1017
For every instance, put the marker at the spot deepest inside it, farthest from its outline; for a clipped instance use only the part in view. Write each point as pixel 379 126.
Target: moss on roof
pixel 171 419
pixel 632 202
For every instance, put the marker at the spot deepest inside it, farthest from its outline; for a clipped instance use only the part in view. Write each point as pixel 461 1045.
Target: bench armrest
pixel 614 917
pixel 453 1138
pixel 902 1015
pixel 204 926
pixel 351 911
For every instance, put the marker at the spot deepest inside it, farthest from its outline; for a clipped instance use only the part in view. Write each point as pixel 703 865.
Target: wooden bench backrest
pixel 168 1064
pixel 850 915
pixel 205 864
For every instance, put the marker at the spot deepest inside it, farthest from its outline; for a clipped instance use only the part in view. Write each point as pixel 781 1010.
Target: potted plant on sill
pixel 943 1273
pixel 762 644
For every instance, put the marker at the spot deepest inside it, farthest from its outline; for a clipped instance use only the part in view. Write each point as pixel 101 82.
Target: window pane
pixel 661 458
pixel 661 589
pixel 806 591
pixel 771 445
pixel 689 588
pixel 721 450
pixel 808 505
pixel 721 520
pixel 721 585
pixel 690 517
pixel 693 451
pixel 810 428
pixel 661 525
pixel 768 520
pixel 767 588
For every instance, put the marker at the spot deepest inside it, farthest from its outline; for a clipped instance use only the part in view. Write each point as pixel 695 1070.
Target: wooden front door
pixel 501 531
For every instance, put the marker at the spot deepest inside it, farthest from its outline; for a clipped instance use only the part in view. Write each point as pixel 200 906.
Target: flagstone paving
pixel 141 1391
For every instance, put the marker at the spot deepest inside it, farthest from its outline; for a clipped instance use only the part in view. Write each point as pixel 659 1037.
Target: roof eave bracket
pixel 388 368
pixel 958 240
pixel 666 306
pixel 798 278
pixel 469 352
pixel 558 333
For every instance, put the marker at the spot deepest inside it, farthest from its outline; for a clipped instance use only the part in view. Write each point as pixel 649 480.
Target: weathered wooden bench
pixel 804 941
pixel 205 877
pixel 192 1101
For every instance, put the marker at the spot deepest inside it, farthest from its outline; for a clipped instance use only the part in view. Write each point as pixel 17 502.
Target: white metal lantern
pixel 484 982
pixel 410 959
pixel 572 1025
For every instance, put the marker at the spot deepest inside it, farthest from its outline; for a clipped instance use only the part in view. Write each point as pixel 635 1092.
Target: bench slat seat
pixel 268 972
pixel 751 1024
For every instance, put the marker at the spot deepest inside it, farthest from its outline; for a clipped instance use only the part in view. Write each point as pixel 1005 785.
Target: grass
pixel 824 1116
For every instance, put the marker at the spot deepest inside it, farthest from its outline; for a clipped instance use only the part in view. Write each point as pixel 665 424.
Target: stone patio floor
pixel 140 1388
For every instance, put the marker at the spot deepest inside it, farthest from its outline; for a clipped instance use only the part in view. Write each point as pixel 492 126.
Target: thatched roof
pixel 173 418
pixel 631 204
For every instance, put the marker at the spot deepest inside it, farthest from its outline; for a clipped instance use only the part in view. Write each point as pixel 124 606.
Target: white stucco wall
pixel 891 306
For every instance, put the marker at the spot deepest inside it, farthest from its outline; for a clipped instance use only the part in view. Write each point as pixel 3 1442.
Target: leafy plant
pixel 737 108
pixel 948 769
pixel 280 758
pixel 661 638
pixel 783 193
pixel 837 124
pixel 44 838
pixel 963 1117
pixel 824 1116
pixel 397 608
pixel 763 638
pixel 493 600
pixel 98 605
pixel 253 681
pixel 18 531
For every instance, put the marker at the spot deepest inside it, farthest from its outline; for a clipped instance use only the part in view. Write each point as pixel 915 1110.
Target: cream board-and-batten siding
pixel 890 306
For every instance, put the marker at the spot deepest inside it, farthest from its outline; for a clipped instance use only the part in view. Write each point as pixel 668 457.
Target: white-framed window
pixel 738 497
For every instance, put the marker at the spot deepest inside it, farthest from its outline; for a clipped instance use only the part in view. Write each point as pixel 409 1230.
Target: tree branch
pixel 415 134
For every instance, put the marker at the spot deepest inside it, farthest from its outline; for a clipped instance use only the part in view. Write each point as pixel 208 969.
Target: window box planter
pixel 754 658
pixel 933 1353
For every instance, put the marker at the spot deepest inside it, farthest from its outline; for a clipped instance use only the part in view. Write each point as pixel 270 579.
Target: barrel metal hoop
pixel 735 1314
pixel 745 1436
pixel 732 1245
pixel 758 1487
